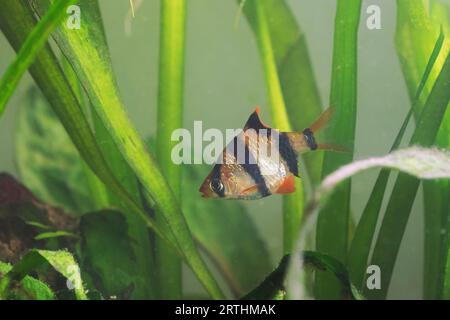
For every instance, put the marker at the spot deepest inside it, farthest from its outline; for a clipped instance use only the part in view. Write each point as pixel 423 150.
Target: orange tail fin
pixel 332 147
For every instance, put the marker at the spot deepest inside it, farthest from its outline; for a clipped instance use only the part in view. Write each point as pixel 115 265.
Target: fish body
pixel 260 161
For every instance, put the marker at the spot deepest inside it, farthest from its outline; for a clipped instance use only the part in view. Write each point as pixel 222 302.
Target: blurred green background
pixel 224 81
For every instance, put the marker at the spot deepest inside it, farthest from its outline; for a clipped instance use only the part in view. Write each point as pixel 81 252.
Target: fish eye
pixel 216 185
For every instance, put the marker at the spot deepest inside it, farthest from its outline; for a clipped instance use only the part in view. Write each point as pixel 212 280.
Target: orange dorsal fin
pixel 322 120
pixel 254 122
pixel 287 185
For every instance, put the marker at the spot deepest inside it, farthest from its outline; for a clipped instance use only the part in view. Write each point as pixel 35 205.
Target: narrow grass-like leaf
pixel 296 76
pixel 333 222
pixel 415 161
pixel 170 118
pixel 62 261
pixel 293 203
pixel 87 51
pixel 365 231
pixel 27 53
pixel 405 188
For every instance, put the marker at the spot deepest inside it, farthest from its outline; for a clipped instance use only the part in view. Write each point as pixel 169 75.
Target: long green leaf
pixel 293 203
pixel 62 261
pixel 300 92
pixel 170 118
pixel 365 231
pixel 90 58
pixel 405 188
pixel 27 53
pixel 333 222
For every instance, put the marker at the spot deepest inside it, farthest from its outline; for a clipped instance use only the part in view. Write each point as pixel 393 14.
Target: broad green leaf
pixel 274 283
pixel 170 118
pixel 27 53
pixel 47 160
pixel 62 261
pixel 107 254
pixel 365 231
pixel 87 52
pixel 333 222
pixel 297 80
pixel 415 162
pixel 27 289
pixel 405 187
pixel 225 231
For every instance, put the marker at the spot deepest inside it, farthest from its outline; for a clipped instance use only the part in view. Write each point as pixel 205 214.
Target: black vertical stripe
pixel 255 173
pixel 309 138
pixel 288 153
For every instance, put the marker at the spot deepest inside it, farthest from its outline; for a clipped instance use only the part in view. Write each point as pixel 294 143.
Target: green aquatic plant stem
pixel 170 118
pixel 293 203
pixel 333 221
pixel 27 53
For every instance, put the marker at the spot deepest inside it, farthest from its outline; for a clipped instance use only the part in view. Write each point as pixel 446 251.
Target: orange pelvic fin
pixel 287 186
pixel 249 190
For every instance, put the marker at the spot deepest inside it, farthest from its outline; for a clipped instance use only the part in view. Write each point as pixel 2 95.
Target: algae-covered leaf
pixel 62 261
pixel 227 233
